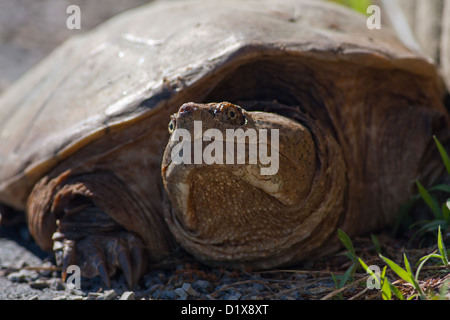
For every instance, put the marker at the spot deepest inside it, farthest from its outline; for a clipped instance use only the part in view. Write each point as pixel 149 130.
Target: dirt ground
pixel 27 273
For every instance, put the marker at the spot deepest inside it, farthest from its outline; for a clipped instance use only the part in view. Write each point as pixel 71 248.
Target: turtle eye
pixel 232 114
pixel 171 126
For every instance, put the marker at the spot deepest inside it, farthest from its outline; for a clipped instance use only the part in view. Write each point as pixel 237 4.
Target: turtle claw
pixel 102 255
pixel 125 264
pixel 101 269
pixel 67 256
pixel 138 262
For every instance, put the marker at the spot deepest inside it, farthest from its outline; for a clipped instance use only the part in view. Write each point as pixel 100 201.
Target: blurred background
pixel 31 29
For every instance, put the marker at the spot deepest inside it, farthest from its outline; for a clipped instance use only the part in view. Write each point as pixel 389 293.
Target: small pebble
pixel 170 294
pixel 201 284
pixel 93 295
pixel 189 290
pixel 40 284
pixel 152 281
pixel 127 295
pixel 77 292
pixel 46 273
pixel 258 286
pixel 235 296
pixel 35 297
pixel 22 276
pixel 60 298
pixel 181 293
pixel 56 284
pixel 109 295
pixel 155 287
pixel 21 263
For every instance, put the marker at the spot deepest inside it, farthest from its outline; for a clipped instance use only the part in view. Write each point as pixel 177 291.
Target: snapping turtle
pixel 87 153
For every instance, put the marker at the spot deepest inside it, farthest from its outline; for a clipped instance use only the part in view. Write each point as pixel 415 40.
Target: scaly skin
pixel 232 214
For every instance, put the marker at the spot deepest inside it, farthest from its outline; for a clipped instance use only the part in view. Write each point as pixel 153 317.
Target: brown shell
pixel 167 52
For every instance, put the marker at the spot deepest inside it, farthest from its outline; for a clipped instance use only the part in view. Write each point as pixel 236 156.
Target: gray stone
pixel 109 295
pixel 182 294
pixel 93 295
pixel 22 276
pixel 201 284
pixel 127 295
pixel 258 286
pixel 189 290
pixel 56 284
pixel 40 284
pixel 234 296
pixel 171 294
pixel 77 292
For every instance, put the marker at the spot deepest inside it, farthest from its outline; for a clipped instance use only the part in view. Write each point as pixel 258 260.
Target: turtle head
pixel 233 179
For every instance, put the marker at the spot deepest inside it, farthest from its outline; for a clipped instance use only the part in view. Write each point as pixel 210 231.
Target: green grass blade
pixel 429 200
pixel 444 290
pixel 422 262
pixel 336 283
pixel 376 243
pixel 431 226
pixel 431 255
pixel 360 5
pixel 347 275
pixel 443 153
pixel 404 212
pixel 386 292
pixel 357 5
pixel 436 256
pixel 364 265
pixel 440 187
pixel 397 292
pixel 427 226
pixel 407 265
pixel 413 279
pixel 402 273
pixel 345 239
pixel 446 211
pixel 441 248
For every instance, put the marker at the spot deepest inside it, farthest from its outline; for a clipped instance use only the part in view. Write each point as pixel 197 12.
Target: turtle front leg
pixel 93 221
pixel 87 237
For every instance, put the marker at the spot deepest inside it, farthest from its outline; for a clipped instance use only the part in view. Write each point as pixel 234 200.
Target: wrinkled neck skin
pixel 248 213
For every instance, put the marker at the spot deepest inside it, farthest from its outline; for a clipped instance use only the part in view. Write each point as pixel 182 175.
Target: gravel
pixel 26 273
